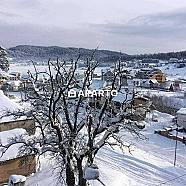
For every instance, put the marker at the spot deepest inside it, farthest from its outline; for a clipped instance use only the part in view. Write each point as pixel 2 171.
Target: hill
pixel 42 52
pixel 28 52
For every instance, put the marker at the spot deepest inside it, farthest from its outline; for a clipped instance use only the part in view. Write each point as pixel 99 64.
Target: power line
pixel 171 180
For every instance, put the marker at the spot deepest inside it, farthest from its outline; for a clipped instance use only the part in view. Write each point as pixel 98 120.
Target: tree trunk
pixel 81 180
pixel 70 178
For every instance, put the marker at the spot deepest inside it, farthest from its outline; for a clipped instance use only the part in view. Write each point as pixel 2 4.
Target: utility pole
pixel 176 145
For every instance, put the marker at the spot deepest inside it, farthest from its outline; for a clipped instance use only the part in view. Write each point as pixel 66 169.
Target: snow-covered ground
pixel 174 73
pixel 171 99
pixel 150 162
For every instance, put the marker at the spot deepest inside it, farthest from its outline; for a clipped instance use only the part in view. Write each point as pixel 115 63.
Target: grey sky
pixel 130 26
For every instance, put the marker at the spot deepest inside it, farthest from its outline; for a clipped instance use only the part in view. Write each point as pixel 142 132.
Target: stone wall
pixel 24 165
pixel 28 125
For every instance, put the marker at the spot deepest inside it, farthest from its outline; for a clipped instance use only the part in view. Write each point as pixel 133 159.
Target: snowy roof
pixel 11 75
pixel 15 83
pixel 14 73
pixel 141 97
pixel 17 178
pixel 182 111
pixel 7 104
pixel 5 137
pixel 154 81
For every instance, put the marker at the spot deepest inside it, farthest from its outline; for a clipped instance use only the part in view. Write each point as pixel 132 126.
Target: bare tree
pixel 72 130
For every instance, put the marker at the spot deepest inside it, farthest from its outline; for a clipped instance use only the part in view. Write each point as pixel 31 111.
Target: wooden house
pixel 11 162
pixel 159 76
pixel 27 124
pixel 23 165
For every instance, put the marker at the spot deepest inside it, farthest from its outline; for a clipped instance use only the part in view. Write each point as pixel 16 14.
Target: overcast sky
pixel 130 26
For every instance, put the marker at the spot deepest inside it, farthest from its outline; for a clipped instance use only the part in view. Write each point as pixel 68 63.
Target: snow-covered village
pixel 94 98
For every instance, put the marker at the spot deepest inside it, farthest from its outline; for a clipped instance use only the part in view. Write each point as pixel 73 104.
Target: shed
pixel 181 117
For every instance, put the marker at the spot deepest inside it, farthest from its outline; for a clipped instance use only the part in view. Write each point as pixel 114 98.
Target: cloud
pixel 160 32
pixel 162 25
pixel 34 34
pixel 20 3
pixel 7 14
pixel 116 26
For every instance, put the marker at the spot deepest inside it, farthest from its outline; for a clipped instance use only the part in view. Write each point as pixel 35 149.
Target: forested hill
pixel 42 52
pixel 162 56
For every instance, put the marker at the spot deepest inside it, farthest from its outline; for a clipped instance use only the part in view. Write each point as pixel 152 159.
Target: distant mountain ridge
pixel 46 52
pixel 29 52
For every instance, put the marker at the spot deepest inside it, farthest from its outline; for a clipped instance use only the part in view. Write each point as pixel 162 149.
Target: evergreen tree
pixel 4 62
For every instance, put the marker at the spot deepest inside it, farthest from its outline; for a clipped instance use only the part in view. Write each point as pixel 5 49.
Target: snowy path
pixel 151 161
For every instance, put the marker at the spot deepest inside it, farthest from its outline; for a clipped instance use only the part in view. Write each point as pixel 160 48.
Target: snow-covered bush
pixel 4 62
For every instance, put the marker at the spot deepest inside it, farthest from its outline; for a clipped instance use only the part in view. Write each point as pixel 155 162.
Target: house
pixel 142 74
pixel 11 85
pixel 150 78
pixel 12 162
pixel 141 105
pixel 107 75
pixel 181 117
pixel 153 83
pixel 12 77
pixel 15 75
pixel 124 77
pixel 159 76
pixel 27 124
pixel 25 165
pixel 135 82
pixel 176 86
pixel 150 61
pixel 173 60
pixel 123 80
pixel 96 75
pixel 141 101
